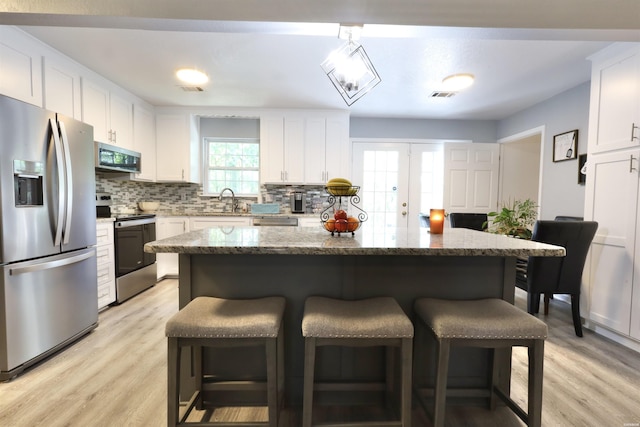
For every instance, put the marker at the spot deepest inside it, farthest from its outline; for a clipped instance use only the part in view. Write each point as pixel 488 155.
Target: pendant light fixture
pixel 349 67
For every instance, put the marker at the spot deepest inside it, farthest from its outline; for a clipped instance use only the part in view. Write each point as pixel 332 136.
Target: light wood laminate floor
pixel 116 376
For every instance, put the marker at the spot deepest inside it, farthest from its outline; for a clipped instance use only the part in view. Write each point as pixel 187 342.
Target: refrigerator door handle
pixel 51 264
pixel 68 183
pixel 61 179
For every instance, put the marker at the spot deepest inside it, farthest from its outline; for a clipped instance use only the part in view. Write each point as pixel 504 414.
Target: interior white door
pixel 471 177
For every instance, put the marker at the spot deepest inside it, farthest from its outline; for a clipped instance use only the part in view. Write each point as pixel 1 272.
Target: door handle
pixel 633 131
pixel 68 182
pixel 52 264
pixel 61 185
pixel 631 168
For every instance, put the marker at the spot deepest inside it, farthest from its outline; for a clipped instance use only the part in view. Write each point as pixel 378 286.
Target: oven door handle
pixel 133 223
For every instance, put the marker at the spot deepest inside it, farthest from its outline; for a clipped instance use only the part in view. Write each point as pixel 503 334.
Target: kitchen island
pixel 252 262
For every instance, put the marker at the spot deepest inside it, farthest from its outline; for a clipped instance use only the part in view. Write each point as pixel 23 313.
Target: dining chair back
pixel 474 221
pixel 558 275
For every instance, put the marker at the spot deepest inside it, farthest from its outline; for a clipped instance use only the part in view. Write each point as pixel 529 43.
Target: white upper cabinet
pixel 177 148
pixel 20 66
pixel 281 149
pixel 612 191
pixel 271 149
pixel 304 148
pixel 327 149
pixel 615 100
pixel 144 141
pixel 110 114
pixel 62 87
pixel 294 150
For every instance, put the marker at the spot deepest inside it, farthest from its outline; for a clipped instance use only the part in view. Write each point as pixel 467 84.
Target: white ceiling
pixel 277 64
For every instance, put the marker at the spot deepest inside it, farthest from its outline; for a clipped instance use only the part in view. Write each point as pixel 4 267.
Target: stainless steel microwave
pixel 110 158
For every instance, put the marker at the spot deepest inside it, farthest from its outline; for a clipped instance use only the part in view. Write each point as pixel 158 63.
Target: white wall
pixel 561 193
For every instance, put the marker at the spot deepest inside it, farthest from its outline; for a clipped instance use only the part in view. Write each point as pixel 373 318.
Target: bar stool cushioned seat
pixel 487 323
pixel 216 322
pixel 361 323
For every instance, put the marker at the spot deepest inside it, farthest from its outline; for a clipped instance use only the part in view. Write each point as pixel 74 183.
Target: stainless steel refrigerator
pixel 48 280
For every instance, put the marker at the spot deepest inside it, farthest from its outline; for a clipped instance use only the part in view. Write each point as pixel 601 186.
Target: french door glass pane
pixel 380 186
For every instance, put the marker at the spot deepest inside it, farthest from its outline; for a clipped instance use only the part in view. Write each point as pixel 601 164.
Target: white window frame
pixel 206 170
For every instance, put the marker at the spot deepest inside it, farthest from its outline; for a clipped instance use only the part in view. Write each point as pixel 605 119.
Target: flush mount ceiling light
pixel 192 76
pixel 349 67
pixel 457 82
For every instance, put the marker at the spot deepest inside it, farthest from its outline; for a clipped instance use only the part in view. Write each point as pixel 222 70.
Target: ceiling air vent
pixel 192 88
pixel 442 94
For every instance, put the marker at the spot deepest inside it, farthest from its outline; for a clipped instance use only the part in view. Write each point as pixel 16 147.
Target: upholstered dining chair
pixel 557 275
pixel 474 221
pixel 424 220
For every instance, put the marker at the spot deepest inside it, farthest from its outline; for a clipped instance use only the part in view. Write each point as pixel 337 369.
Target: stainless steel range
pixel 135 269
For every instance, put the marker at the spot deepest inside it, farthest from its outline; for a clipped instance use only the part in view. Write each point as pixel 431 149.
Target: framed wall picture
pixel 582 169
pixel 565 146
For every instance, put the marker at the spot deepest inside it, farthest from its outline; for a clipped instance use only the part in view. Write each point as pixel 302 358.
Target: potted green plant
pixel 514 219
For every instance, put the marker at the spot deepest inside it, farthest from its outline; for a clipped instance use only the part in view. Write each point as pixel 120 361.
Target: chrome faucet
pixel 233 198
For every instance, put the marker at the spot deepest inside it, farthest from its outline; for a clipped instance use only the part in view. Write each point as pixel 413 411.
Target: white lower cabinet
pixel 106 264
pixel 167 264
pixel 611 263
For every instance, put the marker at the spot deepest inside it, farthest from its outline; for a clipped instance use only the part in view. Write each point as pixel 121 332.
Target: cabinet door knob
pixel 633 131
pixel 631 159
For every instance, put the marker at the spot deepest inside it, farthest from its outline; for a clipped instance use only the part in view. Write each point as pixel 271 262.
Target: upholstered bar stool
pixel 361 323
pixel 216 322
pixel 488 323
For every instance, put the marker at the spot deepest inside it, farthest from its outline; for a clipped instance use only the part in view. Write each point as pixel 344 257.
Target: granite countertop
pixel 235 214
pixel 367 241
pixel 99 220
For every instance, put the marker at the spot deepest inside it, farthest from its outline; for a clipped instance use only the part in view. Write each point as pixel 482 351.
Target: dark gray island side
pixel 296 262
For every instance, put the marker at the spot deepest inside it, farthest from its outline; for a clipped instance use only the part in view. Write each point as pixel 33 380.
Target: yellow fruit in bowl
pixel 338 181
pixel 339 186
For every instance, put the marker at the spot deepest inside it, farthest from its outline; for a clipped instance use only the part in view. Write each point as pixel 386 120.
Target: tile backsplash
pixel 187 199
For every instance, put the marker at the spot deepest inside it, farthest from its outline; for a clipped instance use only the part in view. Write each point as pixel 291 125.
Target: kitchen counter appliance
pixel 136 270
pixel 48 273
pixel 111 158
pixel 298 202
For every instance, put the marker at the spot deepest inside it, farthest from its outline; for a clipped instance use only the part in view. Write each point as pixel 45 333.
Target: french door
pixel 398 181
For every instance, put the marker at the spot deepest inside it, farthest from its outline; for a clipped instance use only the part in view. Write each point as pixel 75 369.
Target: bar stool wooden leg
pixel 536 363
pixel 406 354
pixel 309 368
pixel 389 372
pixel 281 371
pixel 197 372
pixel 442 363
pixel 173 382
pixel 272 381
